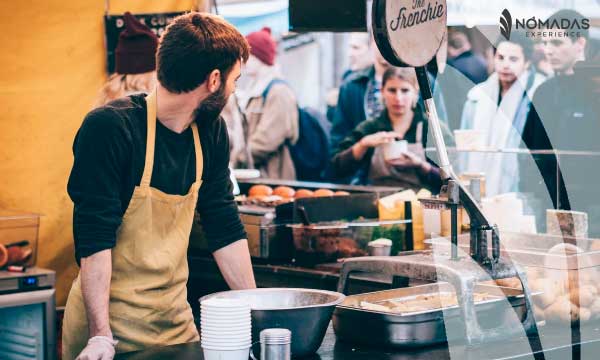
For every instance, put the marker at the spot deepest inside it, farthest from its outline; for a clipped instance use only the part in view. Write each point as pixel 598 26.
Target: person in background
pixel 498 108
pixel 402 118
pixel 239 156
pixel 463 59
pixel 143 165
pixel 360 56
pixel 359 99
pixel 539 61
pixel 564 117
pixel 269 110
pixel 135 63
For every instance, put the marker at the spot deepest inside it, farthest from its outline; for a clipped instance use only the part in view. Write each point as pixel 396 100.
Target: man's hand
pixel 99 348
pixel 235 265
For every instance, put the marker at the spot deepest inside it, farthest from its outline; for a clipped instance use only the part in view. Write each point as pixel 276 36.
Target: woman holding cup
pixel 388 150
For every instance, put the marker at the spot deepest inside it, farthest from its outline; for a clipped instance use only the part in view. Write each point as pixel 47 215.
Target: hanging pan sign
pixel 409 32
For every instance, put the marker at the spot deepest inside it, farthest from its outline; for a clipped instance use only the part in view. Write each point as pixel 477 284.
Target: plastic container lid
pixel 275 336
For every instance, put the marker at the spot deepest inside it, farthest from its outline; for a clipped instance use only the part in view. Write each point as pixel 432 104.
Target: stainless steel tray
pixel 354 324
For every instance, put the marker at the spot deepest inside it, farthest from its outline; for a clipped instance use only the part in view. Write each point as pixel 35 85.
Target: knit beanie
pixel 136 48
pixel 262 45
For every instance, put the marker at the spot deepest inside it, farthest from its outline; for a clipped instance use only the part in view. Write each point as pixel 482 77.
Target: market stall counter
pixel 332 349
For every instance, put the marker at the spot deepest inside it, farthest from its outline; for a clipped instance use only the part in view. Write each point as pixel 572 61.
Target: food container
pixel 380 247
pixel 305 312
pixel 421 328
pixel 19 231
pixel 327 242
pixel 565 271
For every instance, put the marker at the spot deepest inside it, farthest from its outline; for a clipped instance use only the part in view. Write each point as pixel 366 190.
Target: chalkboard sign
pixel 114 24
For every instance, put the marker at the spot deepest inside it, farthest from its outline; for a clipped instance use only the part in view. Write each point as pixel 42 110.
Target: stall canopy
pixel 250 16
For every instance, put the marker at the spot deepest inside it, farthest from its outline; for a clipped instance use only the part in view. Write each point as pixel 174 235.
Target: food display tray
pixel 357 325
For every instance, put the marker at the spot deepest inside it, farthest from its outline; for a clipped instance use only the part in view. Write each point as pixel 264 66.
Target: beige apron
pixel 381 174
pixel 148 295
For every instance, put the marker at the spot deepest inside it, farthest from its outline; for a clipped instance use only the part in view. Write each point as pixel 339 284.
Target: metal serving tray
pixel 354 324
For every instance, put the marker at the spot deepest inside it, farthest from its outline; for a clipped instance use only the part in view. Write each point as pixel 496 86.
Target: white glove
pixel 99 348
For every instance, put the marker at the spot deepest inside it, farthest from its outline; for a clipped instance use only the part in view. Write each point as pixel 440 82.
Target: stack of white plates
pixel 226 331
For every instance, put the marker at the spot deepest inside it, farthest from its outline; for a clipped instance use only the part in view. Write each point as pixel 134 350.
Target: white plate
pixel 243 174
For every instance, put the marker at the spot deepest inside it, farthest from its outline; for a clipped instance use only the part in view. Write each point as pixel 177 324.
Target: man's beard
pixel 210 108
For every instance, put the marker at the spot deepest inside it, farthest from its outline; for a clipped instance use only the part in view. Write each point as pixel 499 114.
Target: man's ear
pixel 581 42
pixel 214 80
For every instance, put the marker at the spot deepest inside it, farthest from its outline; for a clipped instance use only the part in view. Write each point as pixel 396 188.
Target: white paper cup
pixel 230 343
pixel 469 139
pixel 225 317
pixel 240 354
pixel 226 346
pixel 228 327
pixel 209 334
pixel 224 304
pixel 224 312
pixel 394 150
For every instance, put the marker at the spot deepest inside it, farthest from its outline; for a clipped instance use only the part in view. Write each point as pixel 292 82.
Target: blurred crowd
pixel 524 92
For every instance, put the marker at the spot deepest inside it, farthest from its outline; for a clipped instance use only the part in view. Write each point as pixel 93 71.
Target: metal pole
pixel 434 122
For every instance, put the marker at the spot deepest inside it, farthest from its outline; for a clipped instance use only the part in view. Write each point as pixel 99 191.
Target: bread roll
pixel 584 314
pixel 303 193
pixel 285 192
pixel 583 296
pixel 260 190
pixel 559 310
pixel 323 192
pixel 548 294
pixel 595 308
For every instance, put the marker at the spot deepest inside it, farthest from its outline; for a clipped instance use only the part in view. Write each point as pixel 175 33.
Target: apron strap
pixel 198 148
pixel 419 134
pixel 150 138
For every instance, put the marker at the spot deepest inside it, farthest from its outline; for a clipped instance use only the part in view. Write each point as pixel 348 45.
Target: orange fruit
pixel 341 193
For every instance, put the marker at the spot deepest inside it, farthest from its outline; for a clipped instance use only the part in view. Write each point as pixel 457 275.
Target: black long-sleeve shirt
pixel 109 152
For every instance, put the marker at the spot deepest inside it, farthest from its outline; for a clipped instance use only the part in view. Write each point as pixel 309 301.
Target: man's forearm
pixel 235 265
pixel 96 271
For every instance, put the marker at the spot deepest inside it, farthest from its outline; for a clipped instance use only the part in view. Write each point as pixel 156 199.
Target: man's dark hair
pixel 457 37
pixel 571 16
pixel 194 45
pixel 521 39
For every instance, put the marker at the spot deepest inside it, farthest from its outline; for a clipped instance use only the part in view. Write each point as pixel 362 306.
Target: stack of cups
pixel 275 344
pixel 226 331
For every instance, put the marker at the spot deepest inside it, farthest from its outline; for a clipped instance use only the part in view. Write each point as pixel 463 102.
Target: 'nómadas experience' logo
pixel 506 24
pixel 534 27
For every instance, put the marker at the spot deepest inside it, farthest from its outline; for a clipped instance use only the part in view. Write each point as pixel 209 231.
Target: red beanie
pixel 262 45
pixel 136 48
